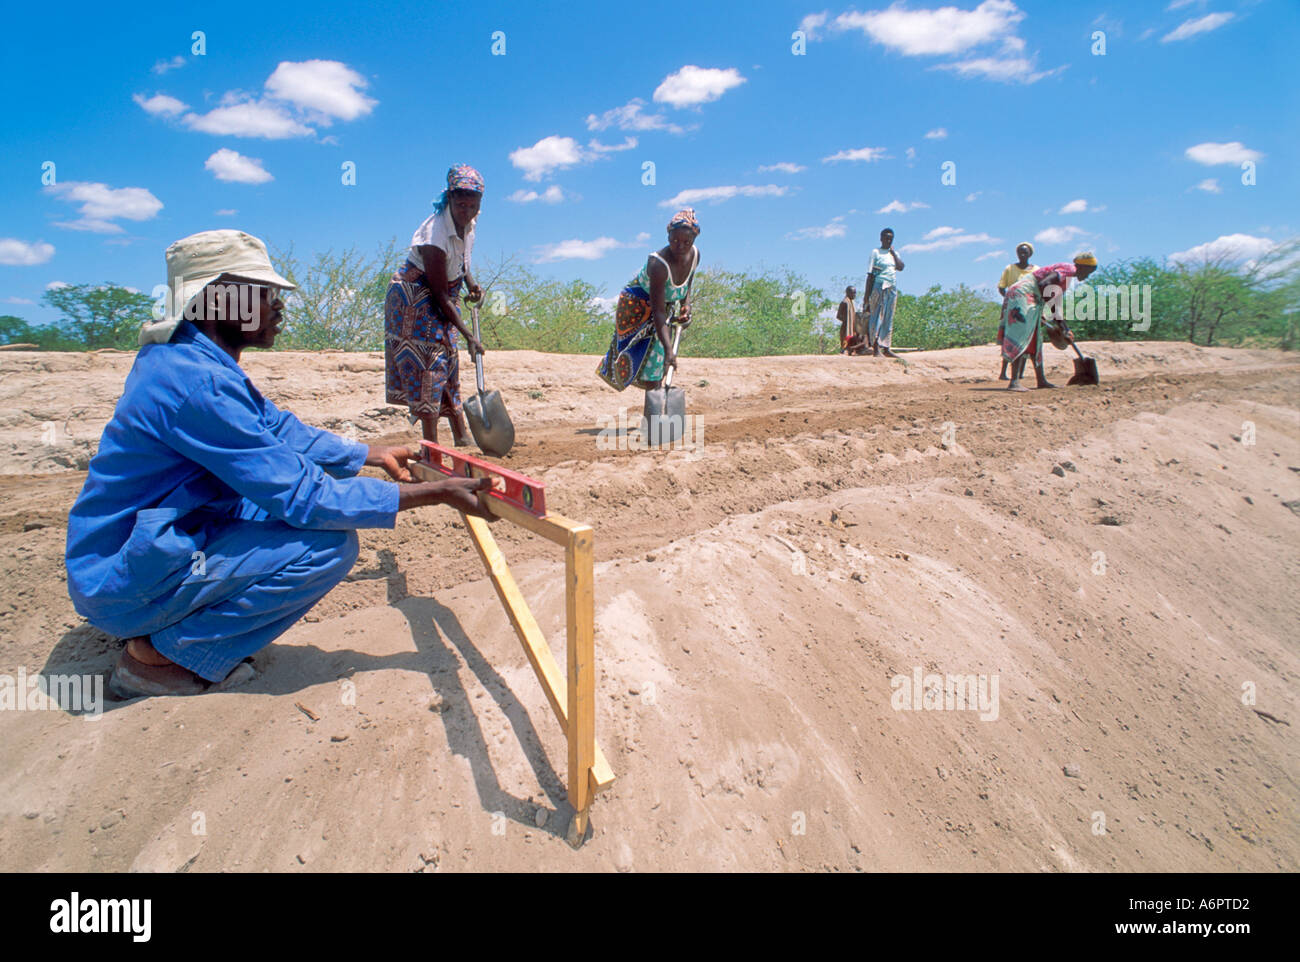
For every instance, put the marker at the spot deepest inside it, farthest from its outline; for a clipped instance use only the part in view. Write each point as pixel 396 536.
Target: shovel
pixel 663 419
pixel 486 412
pixel 1085 368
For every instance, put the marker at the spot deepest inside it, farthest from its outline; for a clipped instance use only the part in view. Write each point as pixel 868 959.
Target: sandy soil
pixel 844 522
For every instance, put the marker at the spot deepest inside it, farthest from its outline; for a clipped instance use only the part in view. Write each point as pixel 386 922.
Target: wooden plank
pixel 579 599
pixel 534 642
pixel 553 527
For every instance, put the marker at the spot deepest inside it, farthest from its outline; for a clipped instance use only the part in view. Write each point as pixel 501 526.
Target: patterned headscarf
pixel 1026 244
pixel 460 177
pixel 685 218
pixel 1087 257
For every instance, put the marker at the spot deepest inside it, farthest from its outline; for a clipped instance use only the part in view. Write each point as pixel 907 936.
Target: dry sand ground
pixel 739 700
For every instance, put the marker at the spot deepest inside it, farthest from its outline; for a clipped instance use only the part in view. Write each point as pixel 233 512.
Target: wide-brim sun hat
pixel 196 261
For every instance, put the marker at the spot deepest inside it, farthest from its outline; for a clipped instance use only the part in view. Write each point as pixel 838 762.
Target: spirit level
pixel 509 486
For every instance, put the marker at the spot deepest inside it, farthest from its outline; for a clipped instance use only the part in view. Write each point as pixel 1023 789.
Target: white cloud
pixel 716 195
pixel 1210 154
pixel 694 85
pixel 898 207
pixel 1230 247
pixel 868 154
pixel 298 97
pixel 226 212
pixel 101 205
pixel 547 155
pixel 597 147
pixel 989 255
pixel 939 133
pixel 162 66
pixel 251 119
pixel 835 228
pixel 784 167
pixel 946 30
pixel 327 88
pixel 1002 69
pixel 632 116
pixel 911 154
pixel 974 196
pixel 605 305
pixel 812 24
pixel 234 167
pixel 947 238
pixel 55 285
pixel 18 300
pixel 592 250
pixel 161 104
pixel 1190 28
pixel 552 195
pixel 1210 185
pixel 1074 207
pixel 16 253
pixel 1059 235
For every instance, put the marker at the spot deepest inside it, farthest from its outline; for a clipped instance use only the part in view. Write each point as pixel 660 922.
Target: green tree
pixel 941 319
pixel 100 315
pixel 339 301
pixel 14 330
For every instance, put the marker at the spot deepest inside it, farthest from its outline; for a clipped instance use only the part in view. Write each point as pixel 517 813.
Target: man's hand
pixel 462 494
pixel 392 459
pixel 684 316
pixel 475 294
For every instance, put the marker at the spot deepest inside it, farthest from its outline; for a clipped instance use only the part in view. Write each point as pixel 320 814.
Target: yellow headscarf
pixel 1087 258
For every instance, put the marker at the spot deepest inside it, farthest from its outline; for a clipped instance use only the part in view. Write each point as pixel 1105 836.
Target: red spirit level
pixel 509 486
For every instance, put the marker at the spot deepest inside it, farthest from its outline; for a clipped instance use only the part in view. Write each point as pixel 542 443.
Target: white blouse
pixel 439 230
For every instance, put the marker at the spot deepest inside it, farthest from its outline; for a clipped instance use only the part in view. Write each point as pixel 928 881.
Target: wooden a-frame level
pixel 573 699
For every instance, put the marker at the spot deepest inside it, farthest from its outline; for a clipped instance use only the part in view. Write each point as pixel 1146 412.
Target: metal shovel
pixel 663 419
pixel 486 412
pixel 1085 368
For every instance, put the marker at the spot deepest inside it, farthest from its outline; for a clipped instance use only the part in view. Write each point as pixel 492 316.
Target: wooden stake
pixel 579 597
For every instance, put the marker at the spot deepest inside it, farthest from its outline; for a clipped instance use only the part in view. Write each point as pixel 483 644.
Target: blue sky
pixel 794 159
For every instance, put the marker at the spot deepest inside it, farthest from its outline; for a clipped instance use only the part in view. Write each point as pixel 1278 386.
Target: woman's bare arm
pixel 435 274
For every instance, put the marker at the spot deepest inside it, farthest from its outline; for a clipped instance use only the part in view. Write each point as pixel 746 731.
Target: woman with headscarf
pixel 1010 274
pixel 422 311
pixel 1031 312
pixel 642 347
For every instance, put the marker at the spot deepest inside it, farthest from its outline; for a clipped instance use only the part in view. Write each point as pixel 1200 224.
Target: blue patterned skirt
pixel 635 354
pixel 421 355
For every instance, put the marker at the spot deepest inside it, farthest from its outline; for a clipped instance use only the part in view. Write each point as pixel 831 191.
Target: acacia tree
pixel 100 315
pixel 339 302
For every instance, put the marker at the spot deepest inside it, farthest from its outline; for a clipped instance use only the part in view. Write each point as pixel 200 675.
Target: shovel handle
pixel 478 358
pixel 677 337
pixel 1076 349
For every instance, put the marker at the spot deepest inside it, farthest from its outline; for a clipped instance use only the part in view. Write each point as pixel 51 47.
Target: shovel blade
pixel 1085 371
pixel 491 426
pixel 663 418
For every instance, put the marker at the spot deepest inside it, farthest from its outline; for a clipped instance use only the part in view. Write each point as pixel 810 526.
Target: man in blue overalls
pixel 210 520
